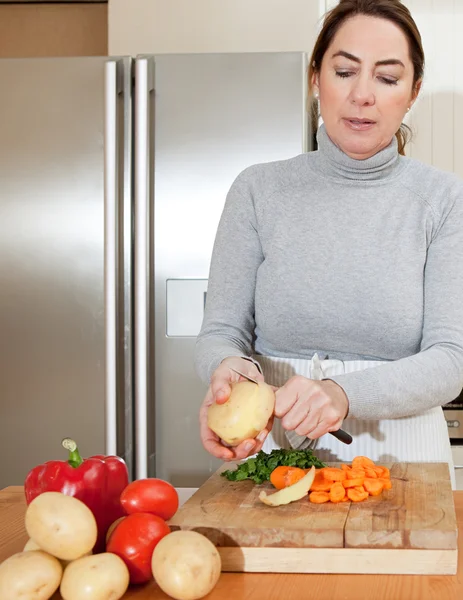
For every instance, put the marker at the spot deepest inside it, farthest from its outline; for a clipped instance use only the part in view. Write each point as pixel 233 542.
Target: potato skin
pixel 30 575
pixel 245 413
pixel 61 525
pixel 186 565
pixel 97 577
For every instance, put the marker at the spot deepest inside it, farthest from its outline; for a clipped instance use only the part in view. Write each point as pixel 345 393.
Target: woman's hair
pixel 392 10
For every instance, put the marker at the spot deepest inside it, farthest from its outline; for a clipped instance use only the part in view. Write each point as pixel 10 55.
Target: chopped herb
pixel 259 467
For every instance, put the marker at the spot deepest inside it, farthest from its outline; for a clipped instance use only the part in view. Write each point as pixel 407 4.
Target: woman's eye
pixel 343 74
pixel 388 80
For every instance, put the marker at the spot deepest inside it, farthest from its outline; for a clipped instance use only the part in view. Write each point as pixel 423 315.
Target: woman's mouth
pixel 359 124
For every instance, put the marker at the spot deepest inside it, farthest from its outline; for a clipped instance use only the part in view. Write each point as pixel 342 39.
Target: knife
pixel 340 434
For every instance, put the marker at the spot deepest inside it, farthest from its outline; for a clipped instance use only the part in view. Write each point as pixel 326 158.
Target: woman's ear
pixel 314 85
pixel 416 91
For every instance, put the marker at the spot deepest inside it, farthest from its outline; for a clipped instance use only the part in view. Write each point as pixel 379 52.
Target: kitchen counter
pixel 258 586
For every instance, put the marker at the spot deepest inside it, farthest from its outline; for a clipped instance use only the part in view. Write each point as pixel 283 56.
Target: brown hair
pixel 392 10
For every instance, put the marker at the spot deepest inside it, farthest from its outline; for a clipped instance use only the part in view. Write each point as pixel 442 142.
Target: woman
pixel 337 275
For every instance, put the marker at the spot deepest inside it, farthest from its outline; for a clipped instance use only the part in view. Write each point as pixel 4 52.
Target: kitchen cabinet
pixel 179 26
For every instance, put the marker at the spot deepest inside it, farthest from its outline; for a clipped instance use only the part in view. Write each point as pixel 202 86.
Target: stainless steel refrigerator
pixel 113 176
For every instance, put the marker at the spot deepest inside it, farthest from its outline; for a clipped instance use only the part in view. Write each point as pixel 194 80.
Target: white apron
pixel 421 438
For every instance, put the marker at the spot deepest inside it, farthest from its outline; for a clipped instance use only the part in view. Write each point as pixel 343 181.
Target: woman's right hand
pixel 219 391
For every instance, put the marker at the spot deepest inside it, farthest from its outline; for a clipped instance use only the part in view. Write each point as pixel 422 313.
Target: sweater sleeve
pixel 228 323
pixel 433 376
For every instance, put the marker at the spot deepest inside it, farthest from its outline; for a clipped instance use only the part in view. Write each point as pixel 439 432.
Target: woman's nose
pixel 362 92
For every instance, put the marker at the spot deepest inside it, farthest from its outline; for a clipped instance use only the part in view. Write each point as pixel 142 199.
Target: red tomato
pixel 151 495
pixel 134 540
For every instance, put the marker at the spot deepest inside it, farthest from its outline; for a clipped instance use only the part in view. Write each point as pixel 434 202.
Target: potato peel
pixel 294 492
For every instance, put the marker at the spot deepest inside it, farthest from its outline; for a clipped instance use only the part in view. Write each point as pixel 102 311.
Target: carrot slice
pixel 370 473
pixel 351 483
pixel 334 474
pixel 356 495
pixel 345 467
pixel 387 483
pixel 373 486
pixel 360 462
pixel 282 476
pixel 337 492
pixel 385 474
pixel 355 474
pixel 319 497
pixel 378 470
pixel 321 486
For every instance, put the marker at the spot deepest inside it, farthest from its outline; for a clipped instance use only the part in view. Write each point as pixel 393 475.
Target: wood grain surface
pixel 269 586
pixel 417 513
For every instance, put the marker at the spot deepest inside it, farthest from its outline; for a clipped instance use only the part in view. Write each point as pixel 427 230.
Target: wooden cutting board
pixel 410 529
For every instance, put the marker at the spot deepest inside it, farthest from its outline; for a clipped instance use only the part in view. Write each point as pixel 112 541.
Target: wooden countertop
pixel 256 586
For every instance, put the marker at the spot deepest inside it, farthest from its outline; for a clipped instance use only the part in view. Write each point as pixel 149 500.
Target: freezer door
pixel 215 114
pixel 52 251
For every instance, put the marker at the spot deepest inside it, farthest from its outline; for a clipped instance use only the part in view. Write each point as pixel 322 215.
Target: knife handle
pixel 342 436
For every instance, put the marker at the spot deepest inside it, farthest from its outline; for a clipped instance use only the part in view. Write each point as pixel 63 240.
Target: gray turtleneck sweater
pixel 352 259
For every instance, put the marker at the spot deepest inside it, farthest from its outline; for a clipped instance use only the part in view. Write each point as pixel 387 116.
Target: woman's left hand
pixel 311 407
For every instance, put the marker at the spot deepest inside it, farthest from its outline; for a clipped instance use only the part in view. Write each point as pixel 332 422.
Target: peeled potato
pixel 99 577
pixel 245 413
pixel 61 525
pixel 186 565
pixel 29 576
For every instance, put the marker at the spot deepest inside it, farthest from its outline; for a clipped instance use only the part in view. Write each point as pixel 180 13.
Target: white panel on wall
pixel 437 117
pixel 177 26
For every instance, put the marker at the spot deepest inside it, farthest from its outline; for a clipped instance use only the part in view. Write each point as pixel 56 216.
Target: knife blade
pixel 340 434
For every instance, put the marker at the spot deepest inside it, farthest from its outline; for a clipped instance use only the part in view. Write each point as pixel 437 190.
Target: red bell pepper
pixel 97 481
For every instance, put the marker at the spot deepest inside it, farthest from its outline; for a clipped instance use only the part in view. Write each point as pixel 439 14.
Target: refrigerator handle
pixel 143 88
pixel 110 251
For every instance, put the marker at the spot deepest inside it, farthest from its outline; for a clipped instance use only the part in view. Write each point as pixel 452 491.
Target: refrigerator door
pixel 52 252
pixel 214 115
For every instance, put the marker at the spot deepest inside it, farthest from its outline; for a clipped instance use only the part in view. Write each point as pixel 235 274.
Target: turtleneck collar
pixel 335 163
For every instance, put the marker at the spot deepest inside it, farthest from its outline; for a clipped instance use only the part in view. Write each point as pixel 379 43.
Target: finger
pixel 297 414
pixel 308 425
pixel 220 388
pixel 244 449
pixel 209 439
pixel 284 401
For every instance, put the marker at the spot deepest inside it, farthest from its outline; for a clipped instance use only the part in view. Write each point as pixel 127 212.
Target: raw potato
pixel 245 413
pixel 291 493
pixel 29 576
pixel 61 525
pixel 31 545
pixel 186 565
pixel 99 577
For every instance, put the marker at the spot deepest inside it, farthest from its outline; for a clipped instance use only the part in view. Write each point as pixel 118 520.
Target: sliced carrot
pixel 321 486
pixel 386 473
pixel 356 495
pixel 351 483
pixel 360 462
pixel 370 473
pixel 356 474
pixel 345 467
pixel 282 476
pixel 334 474
pixel 337 492
pixel 387 483
pixel 378 470
pixel 373 486
pixel 319 497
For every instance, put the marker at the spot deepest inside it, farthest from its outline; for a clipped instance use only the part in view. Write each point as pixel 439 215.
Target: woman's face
pixel 365 85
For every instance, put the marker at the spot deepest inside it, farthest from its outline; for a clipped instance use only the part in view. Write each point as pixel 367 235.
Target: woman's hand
pixel 311 408
pixel 219 391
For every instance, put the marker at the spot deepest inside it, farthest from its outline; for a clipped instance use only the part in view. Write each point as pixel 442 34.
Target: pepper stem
pixel 75 459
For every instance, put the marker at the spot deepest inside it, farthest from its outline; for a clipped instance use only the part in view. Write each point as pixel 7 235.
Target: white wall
pixel 163 26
